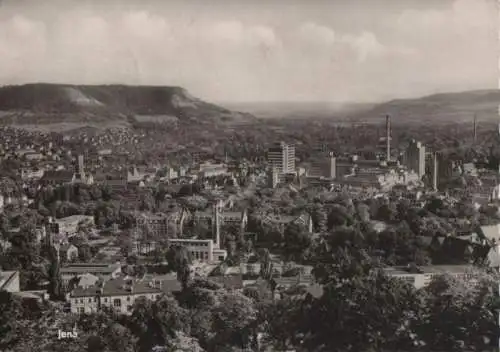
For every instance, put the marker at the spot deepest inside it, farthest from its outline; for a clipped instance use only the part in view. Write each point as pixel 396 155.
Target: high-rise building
pixel 414 158
pixel 433 171
pixel 324 165
pixel 273 177
pixel 80 167
pixel 282 157
pixel 445 168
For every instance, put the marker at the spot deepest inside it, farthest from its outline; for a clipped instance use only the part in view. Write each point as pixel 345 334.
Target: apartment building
pixel 119 294
pixel 282 157
pixel 102 271
pixel 70 224
pixel 424 275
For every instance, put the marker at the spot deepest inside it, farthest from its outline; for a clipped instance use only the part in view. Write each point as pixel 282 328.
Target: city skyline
pixel 240 51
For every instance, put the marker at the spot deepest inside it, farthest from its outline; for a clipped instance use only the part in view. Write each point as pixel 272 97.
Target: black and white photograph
pixel 249 175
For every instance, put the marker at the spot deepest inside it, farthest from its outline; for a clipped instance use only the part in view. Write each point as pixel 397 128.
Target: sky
pixel 256 50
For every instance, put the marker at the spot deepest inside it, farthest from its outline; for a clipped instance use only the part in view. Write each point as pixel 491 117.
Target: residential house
pixel 119 294
pixel 69 252
pixel 70 224
pixel 32 174
pixel 102 271
pixel 33 156
pixel 58 177
pixel 286 220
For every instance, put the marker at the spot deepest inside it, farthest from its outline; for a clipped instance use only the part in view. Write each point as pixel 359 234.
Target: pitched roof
pixel 127 287
pixel 58 175
pixel 232 282
pixel 6 277
pixel 86 268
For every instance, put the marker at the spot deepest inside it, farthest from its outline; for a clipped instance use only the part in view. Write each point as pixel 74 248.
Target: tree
pixel 10 316
pixel 339 216
pixel 281 321
pixel 55 282
pixel 297 241
pixel 363 312
pixel 184 343
pixel 234 319
pixel 179 260
pixel 460 313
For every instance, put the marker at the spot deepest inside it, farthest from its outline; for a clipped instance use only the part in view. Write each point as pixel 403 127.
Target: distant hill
pixel 90 105
pixel 445 107
pixel 298 110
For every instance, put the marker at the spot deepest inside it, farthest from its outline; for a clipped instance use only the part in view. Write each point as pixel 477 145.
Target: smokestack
pixel 388 137
pixel 475 129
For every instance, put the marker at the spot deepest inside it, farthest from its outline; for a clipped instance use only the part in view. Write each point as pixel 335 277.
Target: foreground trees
pixel 359 309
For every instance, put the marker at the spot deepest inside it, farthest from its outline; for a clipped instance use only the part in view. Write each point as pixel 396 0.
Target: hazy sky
pixel 256 50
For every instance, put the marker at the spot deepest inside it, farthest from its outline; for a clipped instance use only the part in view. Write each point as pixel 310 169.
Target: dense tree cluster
pixel 360 309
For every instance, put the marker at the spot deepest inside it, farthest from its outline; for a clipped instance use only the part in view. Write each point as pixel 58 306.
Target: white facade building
pixel 201 250
pixel 425 275
pixel 282 157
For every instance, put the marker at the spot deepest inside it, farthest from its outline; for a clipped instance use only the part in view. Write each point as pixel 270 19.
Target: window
pixel 90 300
pixel 105 300
pixel 128 299
pixel 81 300
pixel 117 302
pixel 129 308
pixel 82 310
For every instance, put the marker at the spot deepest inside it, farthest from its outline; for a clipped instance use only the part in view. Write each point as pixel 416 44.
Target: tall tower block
pixel 435 172
pixel 388 137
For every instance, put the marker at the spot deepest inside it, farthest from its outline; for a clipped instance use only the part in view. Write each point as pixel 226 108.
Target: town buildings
pixel 101 270
pixel 70 225
pixel 282 157
pixel 119 294
pixel 323 165
pixel 414 158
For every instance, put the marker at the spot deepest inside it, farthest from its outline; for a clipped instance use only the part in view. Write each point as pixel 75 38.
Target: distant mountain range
pixel 75 106
pixel 445 107
pixel 53 104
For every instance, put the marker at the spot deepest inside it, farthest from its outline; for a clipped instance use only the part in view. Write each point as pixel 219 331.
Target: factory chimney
pixel 388 137
pixel 475 129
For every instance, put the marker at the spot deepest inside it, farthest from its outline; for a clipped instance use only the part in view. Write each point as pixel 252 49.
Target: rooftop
pixel 430 269
pixel 6 277
pixel 126 287
pixel 85 268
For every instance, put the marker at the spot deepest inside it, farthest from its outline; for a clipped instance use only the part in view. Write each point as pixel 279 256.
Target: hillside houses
pixel 119 294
